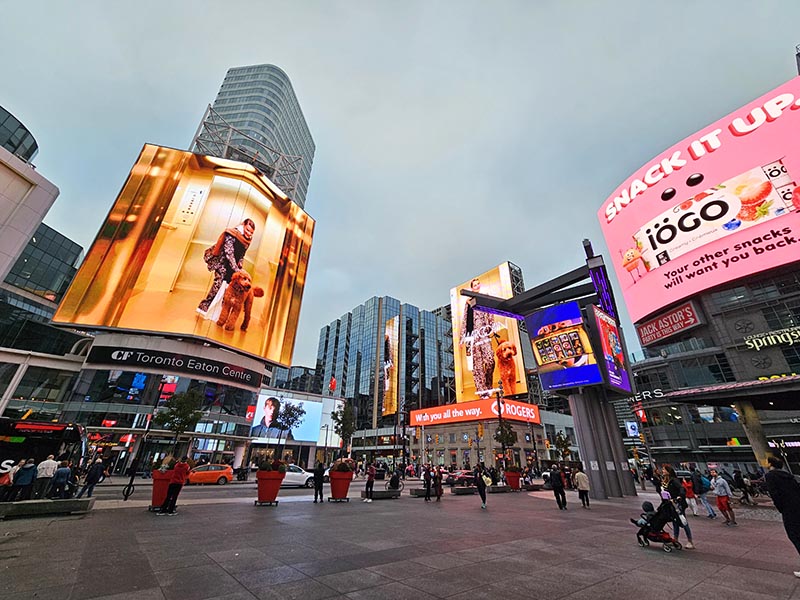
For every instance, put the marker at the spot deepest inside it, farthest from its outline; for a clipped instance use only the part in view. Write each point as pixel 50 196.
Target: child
pixel 648 513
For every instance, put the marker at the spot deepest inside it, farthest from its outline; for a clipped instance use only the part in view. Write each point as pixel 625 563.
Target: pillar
pixel 750 421
pixel 238 455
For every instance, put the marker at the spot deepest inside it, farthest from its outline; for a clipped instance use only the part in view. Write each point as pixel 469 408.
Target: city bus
pixel 20 439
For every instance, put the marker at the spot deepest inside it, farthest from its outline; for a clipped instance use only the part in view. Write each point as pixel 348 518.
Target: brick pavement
pixel 521 547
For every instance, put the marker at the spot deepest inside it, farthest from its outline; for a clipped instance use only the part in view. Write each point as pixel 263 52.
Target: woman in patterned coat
pixel 477 328
pixel 225 258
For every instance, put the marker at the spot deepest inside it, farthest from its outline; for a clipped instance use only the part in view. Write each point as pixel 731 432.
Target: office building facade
pixel 257 118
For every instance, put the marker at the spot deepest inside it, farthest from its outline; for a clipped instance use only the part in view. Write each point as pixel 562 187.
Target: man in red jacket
pixel 179 474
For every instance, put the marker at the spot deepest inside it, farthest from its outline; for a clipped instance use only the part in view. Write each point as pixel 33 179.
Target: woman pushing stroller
pixel 652 521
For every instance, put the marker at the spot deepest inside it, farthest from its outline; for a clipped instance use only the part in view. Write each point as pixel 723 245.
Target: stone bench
pixel 463 490
pixel 37 508
pixel 384 494
pixel 498 489
pixel 532 487
pixel 419 492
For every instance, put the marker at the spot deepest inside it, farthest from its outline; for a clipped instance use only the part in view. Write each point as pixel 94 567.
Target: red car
pixel 219 474
pixel 459 478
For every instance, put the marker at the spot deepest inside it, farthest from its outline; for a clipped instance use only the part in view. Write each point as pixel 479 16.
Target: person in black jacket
pixel 319 479
pixel 427 478
pixel 558 487
pixel 785 493
pixel 93 476
pixel 678 493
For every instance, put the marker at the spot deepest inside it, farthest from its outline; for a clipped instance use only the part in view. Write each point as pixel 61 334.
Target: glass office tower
pixel 257 118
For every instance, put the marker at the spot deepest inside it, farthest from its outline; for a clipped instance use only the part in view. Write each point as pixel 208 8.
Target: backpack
pixel 705 484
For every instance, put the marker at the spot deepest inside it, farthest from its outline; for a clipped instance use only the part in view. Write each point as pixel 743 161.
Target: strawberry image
pixel 755 195
pixel 796 198
pixel 686 205
pixel 701 196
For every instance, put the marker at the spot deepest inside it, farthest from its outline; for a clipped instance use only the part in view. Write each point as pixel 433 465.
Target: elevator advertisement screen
pixel 197 246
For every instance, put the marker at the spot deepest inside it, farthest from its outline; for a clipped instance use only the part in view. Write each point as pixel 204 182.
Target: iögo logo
pixel 686 219
pixel 121 354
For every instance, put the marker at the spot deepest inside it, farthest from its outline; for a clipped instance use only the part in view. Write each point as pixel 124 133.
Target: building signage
pixel 632 428
pixel 172 362
pixel 478 410
pixel 667 324
pixel 778 337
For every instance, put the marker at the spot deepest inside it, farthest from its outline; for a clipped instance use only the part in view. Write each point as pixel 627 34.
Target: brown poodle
pixel 506 352
pixel 239 293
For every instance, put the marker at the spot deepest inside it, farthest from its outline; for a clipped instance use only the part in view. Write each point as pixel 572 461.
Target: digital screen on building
pixel 613 360
pixel 562 348
pixel 197 246
pixel 266 423
pixel 720 205
pixel 391 339
pixel 486 347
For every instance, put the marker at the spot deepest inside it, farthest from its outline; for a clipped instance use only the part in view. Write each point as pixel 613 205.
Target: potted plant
pixel 341 474
pixel 513 474
pixel 268 479
pixel 162 475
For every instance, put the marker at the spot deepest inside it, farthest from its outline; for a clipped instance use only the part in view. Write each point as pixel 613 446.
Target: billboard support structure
pixel 599 437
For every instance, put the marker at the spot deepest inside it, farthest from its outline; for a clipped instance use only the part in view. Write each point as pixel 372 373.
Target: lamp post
pixel 500 421
pixel 326 427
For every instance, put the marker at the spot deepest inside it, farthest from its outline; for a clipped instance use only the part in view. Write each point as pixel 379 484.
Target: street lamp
pixel 500 421
pixel 326 427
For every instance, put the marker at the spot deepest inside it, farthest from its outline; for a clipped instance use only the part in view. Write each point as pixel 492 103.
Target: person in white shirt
pixel 44 474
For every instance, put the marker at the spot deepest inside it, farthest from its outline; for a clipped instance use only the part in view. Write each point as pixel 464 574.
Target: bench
pixel 40 508
pixel 463 490
pixel 419 493
pixel 383 494
pixel 498 489
pixel 532 487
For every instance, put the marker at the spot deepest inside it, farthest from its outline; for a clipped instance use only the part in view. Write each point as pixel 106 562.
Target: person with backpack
pixel 481 478
pixel 723 492
pixel 95 474
pixel 701 486
pixel 557 482
pixel 678 493
pixel 785 493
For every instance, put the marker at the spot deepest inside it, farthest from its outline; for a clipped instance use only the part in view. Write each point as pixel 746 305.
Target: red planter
pixel 512 478
pixel 340 484
pixel 160 485
pixel 269 484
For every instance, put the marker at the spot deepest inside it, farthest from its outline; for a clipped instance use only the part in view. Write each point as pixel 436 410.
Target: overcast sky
pixel 451 136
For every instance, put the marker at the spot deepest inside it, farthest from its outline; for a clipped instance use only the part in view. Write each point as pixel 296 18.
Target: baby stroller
pixel 652 522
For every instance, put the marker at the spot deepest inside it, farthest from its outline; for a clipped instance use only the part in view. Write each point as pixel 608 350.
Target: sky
pixel 450 136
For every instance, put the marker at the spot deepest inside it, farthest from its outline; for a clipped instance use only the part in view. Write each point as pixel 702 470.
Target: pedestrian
pixel 723 493
pixel 44 474
pixel 785 493
pixel 93 476
pixel 741 484
pixel 319 479
pixel 690 497
pixel 427 478
pixel 438 483
pixel 557 482
pixel 582 483
pixel 701 486
pixel 23 481
pixel 678 493
pixel 370 482
pixel 481 476
pixel 60 483
pixel 179 473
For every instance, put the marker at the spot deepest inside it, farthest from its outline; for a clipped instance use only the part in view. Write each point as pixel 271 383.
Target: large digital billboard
pixel 266 426
pixel 562 348
pixel 486 347
pixel 614 362
pixel 391 379
pixel 197 246
pixel 720 205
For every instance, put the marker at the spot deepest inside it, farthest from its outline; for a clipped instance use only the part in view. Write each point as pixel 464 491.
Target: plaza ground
pixel 221 546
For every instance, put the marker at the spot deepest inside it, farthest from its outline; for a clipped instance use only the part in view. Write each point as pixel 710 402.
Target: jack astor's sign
pixel 172 362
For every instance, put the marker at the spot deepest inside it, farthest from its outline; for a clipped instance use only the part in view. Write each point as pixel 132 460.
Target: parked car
pixel 460 477
pixel 219 474
pixel 297 476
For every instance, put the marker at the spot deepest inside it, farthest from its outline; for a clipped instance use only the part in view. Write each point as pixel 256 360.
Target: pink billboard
pixel 717 206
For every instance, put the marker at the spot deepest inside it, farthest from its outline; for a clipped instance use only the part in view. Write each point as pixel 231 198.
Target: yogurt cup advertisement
pixel 720 205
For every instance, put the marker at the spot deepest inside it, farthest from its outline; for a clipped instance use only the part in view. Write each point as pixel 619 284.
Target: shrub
pixel 513 469
pixel 342 466
pixel 273 465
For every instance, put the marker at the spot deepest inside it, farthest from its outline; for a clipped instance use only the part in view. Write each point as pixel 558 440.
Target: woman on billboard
pixel 477 328
pixel 225 258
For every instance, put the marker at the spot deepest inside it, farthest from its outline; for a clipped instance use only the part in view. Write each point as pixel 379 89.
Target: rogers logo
pixel 516 410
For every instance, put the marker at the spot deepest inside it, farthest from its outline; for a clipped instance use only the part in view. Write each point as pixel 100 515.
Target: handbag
pixel 487 480
pixel 5 479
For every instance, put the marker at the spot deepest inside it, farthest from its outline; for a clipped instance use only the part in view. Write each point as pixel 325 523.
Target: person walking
pixel 675 488
pixel 741 484
pixel 438 483
pixel 370 482
pixel 179 473
pixel 427 478
pixel 582 484
pixel 93 476
pixel 701 486
pixel 480 483
pixel 690 497
pixel 785 493
pixel 319 479
pixel 557 482
pixel 60 483
pixel 723 493
pixel 44 474
pixel 23 481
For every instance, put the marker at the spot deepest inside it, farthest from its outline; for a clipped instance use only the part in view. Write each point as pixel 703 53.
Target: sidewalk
pixel 522 546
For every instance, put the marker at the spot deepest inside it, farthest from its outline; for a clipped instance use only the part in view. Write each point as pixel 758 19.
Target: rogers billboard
pixel 667 324
pixel 717 206
pixel 478 410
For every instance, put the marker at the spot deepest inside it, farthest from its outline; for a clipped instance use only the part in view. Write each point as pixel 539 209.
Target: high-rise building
pixel 360 352
pixel 256 118
pixel 297 379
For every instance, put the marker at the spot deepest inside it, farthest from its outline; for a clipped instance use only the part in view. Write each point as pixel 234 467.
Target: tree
pixel 290 416
pixel 344 423
pixel 562 444
pixel 180 413
pixel 505 436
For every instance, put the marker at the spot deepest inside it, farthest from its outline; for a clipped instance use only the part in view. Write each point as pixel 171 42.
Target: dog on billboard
pixel 238 295
pixel 506 351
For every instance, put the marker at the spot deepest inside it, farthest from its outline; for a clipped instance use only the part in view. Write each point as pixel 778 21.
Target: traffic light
pixel 418 433
pixel 641 437
pixel 470 442
pixel 547 444
pixel 636 454
pixel 480 430
pixel 437 438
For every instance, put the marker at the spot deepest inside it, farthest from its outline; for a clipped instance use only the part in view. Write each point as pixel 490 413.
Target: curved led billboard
pixel 720 205
pixel 197 246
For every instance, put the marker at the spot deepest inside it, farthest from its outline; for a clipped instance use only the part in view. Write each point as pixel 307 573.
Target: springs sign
pixel 779 337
